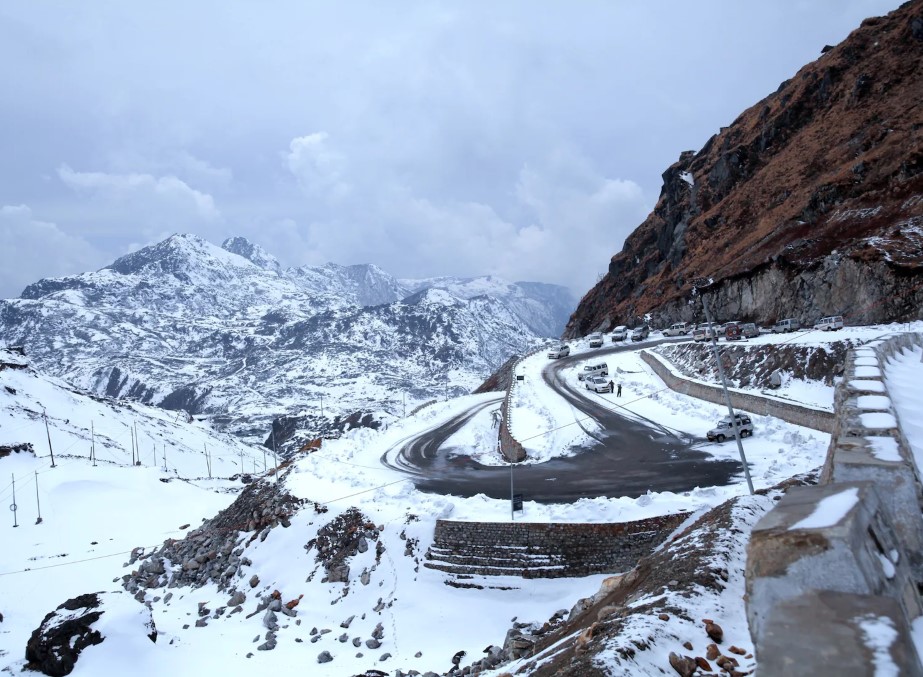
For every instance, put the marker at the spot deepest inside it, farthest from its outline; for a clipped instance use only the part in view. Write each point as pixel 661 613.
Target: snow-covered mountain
pixel 226 331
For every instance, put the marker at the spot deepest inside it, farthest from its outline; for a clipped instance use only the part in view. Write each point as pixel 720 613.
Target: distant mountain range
pixel 227 332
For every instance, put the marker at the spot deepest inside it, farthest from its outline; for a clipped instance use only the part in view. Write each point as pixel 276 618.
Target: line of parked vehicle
pixel 594 377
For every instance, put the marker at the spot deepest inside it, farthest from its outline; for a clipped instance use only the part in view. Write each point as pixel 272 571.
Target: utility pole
pixel 699 285
pixel 275 456
pixel 512 494
pixel 48 433
pixel 165 469
pixel 404 403
pixel 208 460
pixel 13 504
pixel 38 504
pixel 92 444
pixel 321 404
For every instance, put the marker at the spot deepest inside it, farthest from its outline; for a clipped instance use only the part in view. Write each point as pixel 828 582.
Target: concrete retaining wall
pixel 545 550
pixel 859 553
pixel 810 417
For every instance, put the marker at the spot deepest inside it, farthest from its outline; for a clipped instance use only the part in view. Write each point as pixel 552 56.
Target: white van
pixel 601 369
pixel 833 323
pixel 678 329
pixel 783 326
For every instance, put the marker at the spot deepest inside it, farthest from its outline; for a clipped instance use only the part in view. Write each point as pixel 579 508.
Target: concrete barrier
pixel 810 417
pixel 820 583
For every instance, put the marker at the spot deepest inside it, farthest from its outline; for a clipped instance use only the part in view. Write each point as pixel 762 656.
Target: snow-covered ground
pixel 84 507
pixel 904 378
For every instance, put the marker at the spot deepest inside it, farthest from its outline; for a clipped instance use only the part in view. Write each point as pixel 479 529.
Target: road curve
pixel 630 456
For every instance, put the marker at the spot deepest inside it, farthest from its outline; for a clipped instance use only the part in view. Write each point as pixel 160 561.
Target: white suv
pixel 599 384
pixel 620 333
pixel 833 322
pixel 596 340
pixel 562 350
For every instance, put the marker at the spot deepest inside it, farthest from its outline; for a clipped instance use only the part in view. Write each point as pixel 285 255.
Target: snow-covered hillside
pixel 225 331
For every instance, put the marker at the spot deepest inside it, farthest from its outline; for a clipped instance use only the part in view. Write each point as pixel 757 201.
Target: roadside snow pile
pixel 904 376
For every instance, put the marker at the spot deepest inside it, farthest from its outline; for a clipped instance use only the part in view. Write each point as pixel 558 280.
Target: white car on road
pixel 599 384
pixel 562 350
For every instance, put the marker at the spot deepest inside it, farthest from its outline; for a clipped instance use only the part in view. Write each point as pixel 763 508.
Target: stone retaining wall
pixel 545 550
pixel 816 572
pixel 810 417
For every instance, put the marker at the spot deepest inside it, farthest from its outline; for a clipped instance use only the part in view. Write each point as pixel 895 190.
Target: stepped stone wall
pixel 545 550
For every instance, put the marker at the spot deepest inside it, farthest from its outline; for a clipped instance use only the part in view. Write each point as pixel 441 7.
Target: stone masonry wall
pixel 818 419
pixel 545 550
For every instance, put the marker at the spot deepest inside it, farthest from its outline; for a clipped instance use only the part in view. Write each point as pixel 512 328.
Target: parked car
pixel 590 370
pixel 598 384
pixel 562 350
pixel 620 333
pixel 831 323
pixel 596 340
pixel 640 333
pixel 783 326
pixel 725 428
pixel 749 330
pixel 704 331
pixel 678 329
pixel 732 332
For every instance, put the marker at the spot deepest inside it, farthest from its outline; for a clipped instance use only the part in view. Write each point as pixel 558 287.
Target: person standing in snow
pixel 611 387
pixel 619 394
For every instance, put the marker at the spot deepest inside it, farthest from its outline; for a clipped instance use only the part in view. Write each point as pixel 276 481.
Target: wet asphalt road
pixel 630 456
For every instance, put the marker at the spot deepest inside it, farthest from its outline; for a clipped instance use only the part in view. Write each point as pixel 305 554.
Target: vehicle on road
pixel 732 332
pixel 590 370
pixel 596 340
pixel 620 333
pixel 749 330
pixel 562 350
pixel 640 333
pixel 787 325
pixel 598 384
pixel 725 428
pixel 704 331
pixel 678 329
pixel 831 323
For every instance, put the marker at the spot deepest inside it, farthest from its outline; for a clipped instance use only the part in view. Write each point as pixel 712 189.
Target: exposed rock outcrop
pixel 809 204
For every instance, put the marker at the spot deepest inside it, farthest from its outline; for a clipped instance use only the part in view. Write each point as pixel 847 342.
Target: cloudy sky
pixel 519 139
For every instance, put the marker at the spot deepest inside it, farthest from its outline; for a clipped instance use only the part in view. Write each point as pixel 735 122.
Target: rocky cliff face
pixel 810 203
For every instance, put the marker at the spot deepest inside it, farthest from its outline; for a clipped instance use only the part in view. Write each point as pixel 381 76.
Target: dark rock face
pixel 809 204
pixel 345 536
pixel 56 644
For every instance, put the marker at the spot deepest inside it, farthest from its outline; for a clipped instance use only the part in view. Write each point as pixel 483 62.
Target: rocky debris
pixel 238 598
pixel 343 537
pixel 372 643
pixel 213 552
pixel 324 657
pixel 270 642
pixel 807 205
pixel 64 633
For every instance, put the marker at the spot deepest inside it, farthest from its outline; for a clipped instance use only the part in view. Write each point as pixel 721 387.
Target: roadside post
pixel 698 286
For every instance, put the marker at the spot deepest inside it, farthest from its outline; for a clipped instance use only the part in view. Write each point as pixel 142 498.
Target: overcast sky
pixel 519 139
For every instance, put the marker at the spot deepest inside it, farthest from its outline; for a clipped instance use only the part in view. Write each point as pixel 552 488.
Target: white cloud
pixel 318 168
pixel 37 245
pixel 143 190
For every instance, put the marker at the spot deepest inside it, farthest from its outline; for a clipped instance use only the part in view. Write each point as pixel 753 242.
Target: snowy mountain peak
pixel 178 255
pixel 253 253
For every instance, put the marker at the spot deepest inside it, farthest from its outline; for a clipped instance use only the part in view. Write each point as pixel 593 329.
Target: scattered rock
pixel 714 631
pixel 664 617
pixel 324 657
pixel 703 664
pixel 683 665
pixel 712 652
pixel 238 598
pixel 384 657
pixel 372 643
pixel 379 631
pixel 254 581
pixel 347 622
pixel 737 650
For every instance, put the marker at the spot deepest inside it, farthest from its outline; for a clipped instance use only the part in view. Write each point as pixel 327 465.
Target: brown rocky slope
pixel 810 203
